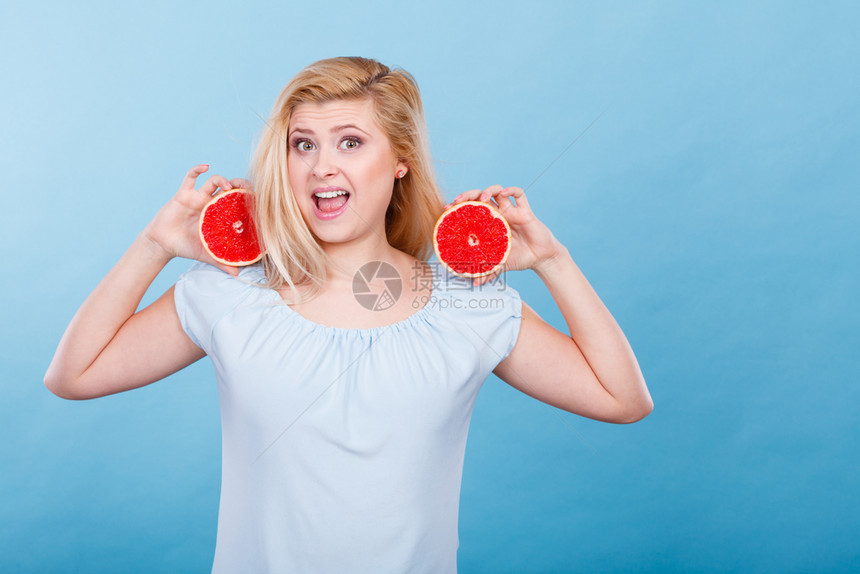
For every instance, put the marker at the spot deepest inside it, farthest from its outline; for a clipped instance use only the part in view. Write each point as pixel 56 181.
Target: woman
pixel 344 427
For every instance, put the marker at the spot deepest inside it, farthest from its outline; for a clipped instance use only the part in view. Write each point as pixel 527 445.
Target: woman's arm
pixel 108 348
pixel 591 371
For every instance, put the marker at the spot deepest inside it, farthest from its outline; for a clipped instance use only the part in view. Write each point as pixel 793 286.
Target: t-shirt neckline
pixel 420 314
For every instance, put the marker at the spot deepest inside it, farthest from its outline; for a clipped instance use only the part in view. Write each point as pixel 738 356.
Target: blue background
pixel 713 205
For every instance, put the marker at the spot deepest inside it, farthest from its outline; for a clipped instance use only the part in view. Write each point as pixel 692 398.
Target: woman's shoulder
pixel 209 280
pixel 454 293
pixel 488 315
pixel 204 286
pixel 204 295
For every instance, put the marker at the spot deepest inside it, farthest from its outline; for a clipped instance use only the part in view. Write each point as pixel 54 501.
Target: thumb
pixel 205 257
pixel 234 271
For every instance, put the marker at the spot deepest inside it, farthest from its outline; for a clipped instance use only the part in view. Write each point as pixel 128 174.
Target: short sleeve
pixel 490 315
pixel 203 295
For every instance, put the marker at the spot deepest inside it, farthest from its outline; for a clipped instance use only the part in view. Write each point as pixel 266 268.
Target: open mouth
pixel 331 201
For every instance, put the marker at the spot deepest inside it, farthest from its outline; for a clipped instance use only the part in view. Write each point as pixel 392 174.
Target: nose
pixel 326 164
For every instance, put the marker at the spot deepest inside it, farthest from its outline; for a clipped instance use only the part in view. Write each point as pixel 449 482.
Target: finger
pixel 490 192
pixel 485 279
pixel 516 197
pixel 215 182
pixel 471 195
pixel 192 175
pixel 516 194
pixel 234 271
pixel 206 258
pixel 241 183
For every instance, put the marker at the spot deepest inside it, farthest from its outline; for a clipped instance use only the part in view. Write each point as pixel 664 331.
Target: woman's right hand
pixel 173 232
pixel 110 346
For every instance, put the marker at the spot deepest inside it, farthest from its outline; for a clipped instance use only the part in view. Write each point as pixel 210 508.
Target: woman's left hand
pixel 533 245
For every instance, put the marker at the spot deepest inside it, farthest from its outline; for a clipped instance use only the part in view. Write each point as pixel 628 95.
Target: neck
pixel 346 258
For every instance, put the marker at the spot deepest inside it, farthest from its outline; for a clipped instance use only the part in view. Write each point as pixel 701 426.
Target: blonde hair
pixel 293 256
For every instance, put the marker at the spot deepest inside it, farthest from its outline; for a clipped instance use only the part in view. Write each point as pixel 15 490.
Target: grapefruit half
pixel 228 230
pixel 472 239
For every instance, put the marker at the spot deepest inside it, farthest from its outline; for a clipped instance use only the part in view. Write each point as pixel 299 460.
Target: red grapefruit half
pixel 472 239
pixel 228 230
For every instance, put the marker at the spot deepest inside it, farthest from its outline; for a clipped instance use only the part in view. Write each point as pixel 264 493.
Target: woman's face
pixel 342 169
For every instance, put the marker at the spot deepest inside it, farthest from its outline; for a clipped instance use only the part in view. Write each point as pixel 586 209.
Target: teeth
pixel 329 194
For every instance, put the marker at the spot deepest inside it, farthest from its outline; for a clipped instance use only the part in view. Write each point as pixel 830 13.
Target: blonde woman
pixel 344 427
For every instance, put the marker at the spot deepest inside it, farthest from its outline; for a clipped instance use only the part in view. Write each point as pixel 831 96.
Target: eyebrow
pixel 335 129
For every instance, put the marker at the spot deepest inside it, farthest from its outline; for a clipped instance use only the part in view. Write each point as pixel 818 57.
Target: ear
pixel 400 167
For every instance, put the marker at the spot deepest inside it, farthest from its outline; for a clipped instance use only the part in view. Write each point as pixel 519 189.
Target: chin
pixel 333 234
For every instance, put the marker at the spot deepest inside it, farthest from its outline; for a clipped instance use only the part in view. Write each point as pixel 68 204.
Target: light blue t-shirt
pixel 343 448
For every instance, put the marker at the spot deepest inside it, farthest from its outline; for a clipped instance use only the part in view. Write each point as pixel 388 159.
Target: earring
pixel 401 173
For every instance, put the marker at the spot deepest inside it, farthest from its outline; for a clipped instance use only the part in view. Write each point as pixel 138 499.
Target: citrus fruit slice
pixel 227 228
pixel 472 239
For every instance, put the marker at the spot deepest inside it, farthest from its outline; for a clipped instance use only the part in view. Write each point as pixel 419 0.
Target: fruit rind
pixel 213 201
pixel 496 214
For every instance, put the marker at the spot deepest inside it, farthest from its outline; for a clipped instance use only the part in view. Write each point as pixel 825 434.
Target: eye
pixel 350 143
pixel 303 145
